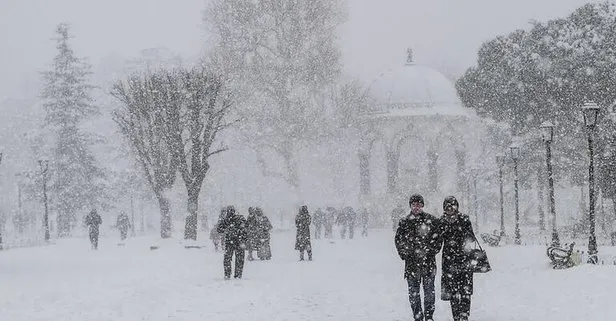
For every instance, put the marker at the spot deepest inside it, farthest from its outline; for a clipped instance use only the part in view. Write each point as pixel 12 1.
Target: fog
pixel 445 34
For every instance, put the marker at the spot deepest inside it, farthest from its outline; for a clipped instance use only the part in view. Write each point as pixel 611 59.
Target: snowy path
pixel 355 280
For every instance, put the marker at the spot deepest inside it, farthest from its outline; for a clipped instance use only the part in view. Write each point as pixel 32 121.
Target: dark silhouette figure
pixel 264 227
pixel 123 224
pixel 364 218
pixel 456 279
pixel 418 241
pixel 302 237
pixel 319 221
pixel 93 221
pixel 252 230
pixel 234 228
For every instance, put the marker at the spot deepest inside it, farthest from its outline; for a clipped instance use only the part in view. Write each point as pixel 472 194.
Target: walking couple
pixel 419 238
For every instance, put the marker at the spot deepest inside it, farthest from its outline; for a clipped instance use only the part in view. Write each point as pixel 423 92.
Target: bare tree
pixel 192 129
pixel 172 119
pixel 141 119
pixel 283 54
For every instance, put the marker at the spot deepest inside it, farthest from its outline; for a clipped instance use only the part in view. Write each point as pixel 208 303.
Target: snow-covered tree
pixel 547 73
pixel 77 182
pixel 193 124
pixel 171 119
pixel 284 56
pixel 141 120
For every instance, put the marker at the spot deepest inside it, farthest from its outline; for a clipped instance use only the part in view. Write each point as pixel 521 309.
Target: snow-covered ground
pixel 358 279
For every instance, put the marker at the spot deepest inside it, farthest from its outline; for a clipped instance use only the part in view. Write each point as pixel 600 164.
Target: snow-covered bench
pixel 490 239
pixel 561 258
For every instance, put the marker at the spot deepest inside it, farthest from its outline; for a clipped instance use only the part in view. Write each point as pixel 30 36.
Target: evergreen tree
pixel 77 182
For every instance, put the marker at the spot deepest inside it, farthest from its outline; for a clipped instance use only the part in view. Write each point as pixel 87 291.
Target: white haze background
pixel 445 36
pixel 57 283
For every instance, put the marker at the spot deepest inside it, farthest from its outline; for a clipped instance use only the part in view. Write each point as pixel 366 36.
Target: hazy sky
pixel 444 33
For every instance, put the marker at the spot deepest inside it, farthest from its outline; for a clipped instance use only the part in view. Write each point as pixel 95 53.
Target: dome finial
pixel 409 56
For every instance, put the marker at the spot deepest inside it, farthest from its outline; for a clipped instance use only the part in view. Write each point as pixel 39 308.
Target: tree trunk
pixel 165 217
pixel 583 209
pixel 190 230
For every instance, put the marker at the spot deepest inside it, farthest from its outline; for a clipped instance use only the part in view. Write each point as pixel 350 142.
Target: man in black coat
pixel 93 221
pixel 456 279
pixel 418 241
pixel 233 226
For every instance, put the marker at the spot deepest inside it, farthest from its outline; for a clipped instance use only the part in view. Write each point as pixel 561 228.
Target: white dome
pixel 413 86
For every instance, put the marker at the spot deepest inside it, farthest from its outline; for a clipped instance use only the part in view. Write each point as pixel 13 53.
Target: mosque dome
pixel 415 89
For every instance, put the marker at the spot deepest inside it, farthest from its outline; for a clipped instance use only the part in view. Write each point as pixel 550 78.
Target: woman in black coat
pixel 456 280
pixel 302 238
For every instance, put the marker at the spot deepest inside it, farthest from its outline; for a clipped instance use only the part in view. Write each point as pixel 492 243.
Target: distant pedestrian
pixel 123 224
pixel 93 221
pixel 302 236
pixel 264 251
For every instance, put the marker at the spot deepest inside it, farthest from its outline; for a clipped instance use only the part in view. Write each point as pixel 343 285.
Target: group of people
pixel 237 235
pixel 93 221
pixel 346 219
pixel 419 237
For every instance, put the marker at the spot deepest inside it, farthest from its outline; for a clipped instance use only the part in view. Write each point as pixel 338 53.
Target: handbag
pixel 477 260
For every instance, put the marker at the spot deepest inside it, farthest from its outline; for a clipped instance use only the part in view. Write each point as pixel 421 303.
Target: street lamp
pixel 515 155
pixel 500 161
pixel 475 173
pixel 590 111
pixel 547 133
pixel 44 165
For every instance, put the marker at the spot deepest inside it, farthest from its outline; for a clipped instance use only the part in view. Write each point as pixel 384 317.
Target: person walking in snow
pixel 418 241
pixel 319 218
pixel 456 280
pixel 364 217
pixel 252 229
pixel 234 228
pixel 342 221
pixel 328 221
pixel 93 221
pixel 123 224
pixel 264 227
pixel 351 218
pixel 302 237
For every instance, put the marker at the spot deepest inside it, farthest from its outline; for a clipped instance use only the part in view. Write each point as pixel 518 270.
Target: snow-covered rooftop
pixel 415 90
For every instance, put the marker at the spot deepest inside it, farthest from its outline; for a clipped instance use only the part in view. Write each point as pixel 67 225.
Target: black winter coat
pixel 252 230
pixel 93 220
pixel 457 236
pixel 302 238
pixel 418 241
pixel 234 229
pixel 265 226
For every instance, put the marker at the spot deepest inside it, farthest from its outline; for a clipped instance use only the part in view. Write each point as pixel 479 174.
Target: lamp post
pixel 547 133
pixel 500 161
pixel 515 155
pixel 590 111
pixel 44 165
